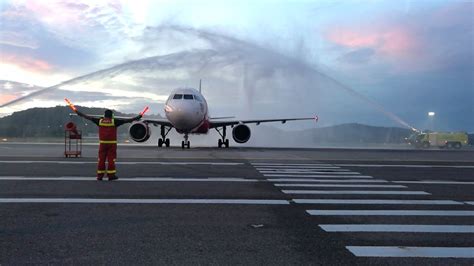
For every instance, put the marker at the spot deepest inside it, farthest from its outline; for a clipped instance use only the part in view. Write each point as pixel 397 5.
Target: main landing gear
pixel 223 141
pixel 163 140
pixel 185 143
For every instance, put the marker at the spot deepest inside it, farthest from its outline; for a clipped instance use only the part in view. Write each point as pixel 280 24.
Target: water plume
pixel 227 62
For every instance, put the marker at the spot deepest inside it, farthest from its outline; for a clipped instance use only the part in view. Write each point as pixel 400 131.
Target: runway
pixel 237 206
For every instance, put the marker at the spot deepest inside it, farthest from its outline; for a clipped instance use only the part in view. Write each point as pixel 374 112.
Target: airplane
pixel 186 111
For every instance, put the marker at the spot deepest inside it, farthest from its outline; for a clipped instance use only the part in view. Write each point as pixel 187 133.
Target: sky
pixel 377 62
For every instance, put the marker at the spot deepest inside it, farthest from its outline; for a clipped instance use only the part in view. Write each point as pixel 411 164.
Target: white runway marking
pixel 407 228
pixel 339 185
pixel 123 163
pixel 470 202
pixel 310 172
pixel 291 164
pixel 263 167
pixel 359 192
pixel 405 165
pixel 437 182
pixel 327 180
pixel 390 212
pixel 377 201
pixel 422 252
pixel 135 179
pixel 144 201
pixel 324 176
pixel 303 169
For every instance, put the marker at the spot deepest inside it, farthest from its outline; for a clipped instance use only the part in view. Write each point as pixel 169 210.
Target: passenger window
pixel 188 97
pixel 178 96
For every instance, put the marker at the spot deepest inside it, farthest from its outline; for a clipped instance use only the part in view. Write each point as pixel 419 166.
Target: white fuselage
pixel 186 109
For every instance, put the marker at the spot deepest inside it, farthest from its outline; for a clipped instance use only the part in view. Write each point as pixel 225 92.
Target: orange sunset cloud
pixel 394 42
pixel 4 98
pixel 27 63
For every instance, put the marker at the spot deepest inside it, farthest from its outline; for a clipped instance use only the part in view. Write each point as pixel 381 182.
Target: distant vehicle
pixel 443 140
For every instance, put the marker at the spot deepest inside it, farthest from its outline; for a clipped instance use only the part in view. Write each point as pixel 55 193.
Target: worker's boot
pixel 99 178
pixel 113 177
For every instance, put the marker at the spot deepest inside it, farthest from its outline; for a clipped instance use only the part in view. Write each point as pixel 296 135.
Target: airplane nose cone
pixel 183 115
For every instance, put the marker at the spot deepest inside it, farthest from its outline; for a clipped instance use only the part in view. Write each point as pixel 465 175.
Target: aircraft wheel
pixel 182 144
pixel 226 143
pixel 219 143
pixel 160 142
pixel 167 142
pixel 189 144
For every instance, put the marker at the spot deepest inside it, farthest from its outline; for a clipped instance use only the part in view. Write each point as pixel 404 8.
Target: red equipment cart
pixel 72 141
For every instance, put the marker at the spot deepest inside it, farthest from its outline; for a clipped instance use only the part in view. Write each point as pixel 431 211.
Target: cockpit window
pixel 188 97
pixel 197 97
pixel 178 96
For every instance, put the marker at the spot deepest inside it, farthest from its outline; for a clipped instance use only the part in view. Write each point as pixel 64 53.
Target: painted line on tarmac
pixel 294 167
pixel 376 201
pixel 419 252
pixel 437 182
pixel 339 185
pixel 356 192
pixel 405 228
pixel 301 170
pixel 327 180
pixel 324 176
pixel 290 164
pixel 406 165
pixel 310 172
pixel 134 179
pixel 443 213
pixel 146 201
pixel 123 163
pixel 469 202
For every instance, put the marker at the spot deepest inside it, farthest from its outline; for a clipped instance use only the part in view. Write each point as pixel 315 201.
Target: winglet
pixel 71 105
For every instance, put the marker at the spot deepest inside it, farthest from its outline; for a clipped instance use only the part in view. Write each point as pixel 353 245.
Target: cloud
pixel 19 39
pixel 11 90
pixel 426 40
pixel 4 98
pixel 389 41
pixel 87 25
pixel 26 63
pixel 359 56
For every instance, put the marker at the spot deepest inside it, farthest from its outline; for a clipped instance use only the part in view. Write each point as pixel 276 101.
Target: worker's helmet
pixel 108 113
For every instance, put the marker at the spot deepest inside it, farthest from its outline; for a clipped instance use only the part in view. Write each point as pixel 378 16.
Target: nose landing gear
pixel 223 141
pixel 185 143
pixel 163 140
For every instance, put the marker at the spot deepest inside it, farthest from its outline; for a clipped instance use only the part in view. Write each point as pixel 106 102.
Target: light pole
pixel 431 116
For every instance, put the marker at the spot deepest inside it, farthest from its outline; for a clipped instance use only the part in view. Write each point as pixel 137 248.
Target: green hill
pixel 49 122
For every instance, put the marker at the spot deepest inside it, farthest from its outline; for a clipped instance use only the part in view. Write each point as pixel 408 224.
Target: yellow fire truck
pixel 442 140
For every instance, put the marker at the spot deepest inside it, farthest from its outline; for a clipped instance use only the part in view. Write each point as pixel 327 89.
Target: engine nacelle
pixel 139 132
pixel 241 133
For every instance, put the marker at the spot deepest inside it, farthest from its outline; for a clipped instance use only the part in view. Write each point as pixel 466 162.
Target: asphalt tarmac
pixel 238 206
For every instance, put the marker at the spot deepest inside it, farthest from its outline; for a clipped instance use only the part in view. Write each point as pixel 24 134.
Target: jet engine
pixel 241 133
pixel 139 132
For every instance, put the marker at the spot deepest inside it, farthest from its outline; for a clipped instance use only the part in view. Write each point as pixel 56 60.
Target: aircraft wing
pixel 222 123
pixel 157 122
pixel 101 116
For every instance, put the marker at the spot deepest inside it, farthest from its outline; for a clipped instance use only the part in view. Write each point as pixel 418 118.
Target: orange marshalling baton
pixel 144 111
pixel 71 105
